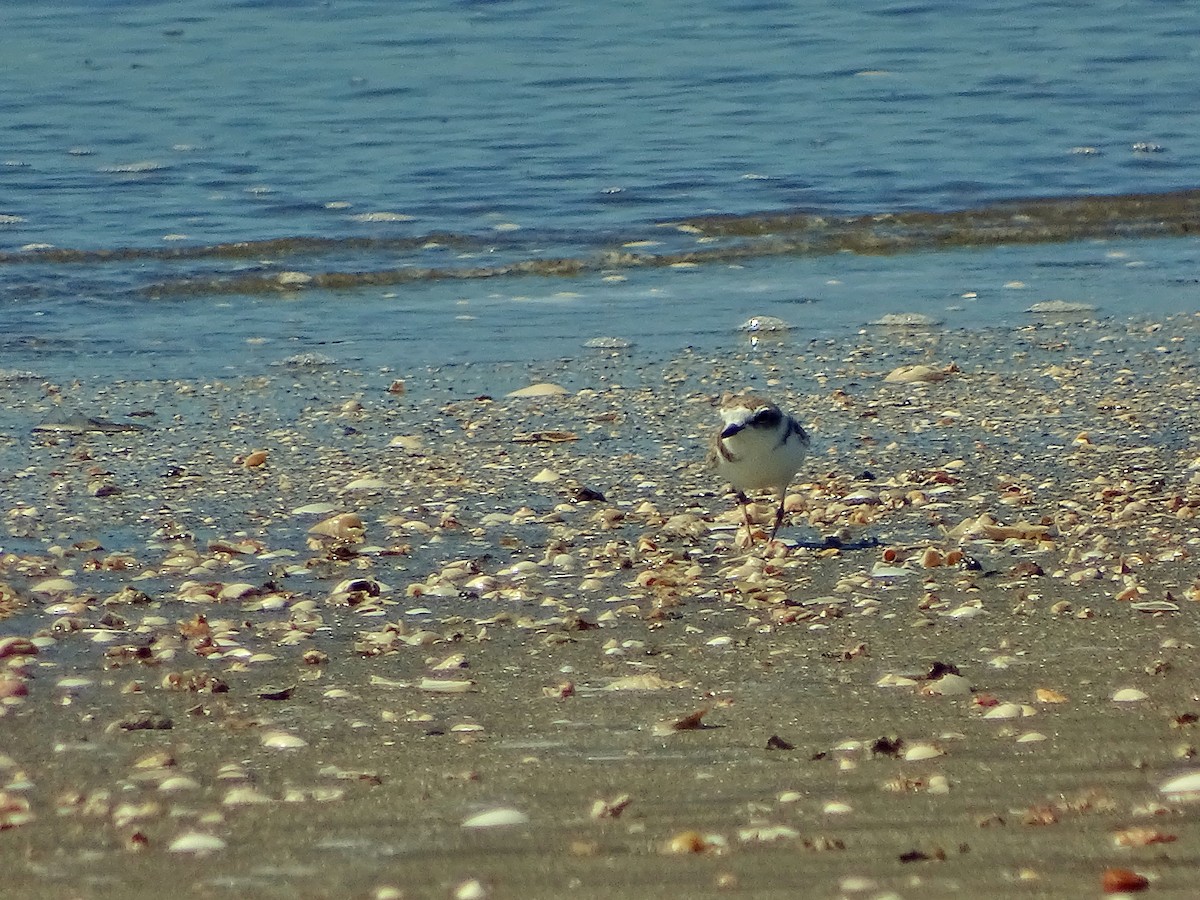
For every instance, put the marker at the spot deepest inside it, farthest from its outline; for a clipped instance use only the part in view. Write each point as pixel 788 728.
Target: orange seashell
pixel 13 687
pixel 954 557
pixel 931 558
pixel 1122 881
pixel 687 842
pixel 257 458
pixel 17 646
pixel 1142 836
pixel 889 555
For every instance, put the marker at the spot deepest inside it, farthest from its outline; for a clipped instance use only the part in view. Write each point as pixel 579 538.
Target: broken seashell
pixel 496 818
pixel 542 389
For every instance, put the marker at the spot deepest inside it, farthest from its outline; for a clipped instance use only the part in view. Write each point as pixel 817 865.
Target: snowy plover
pixel 759 447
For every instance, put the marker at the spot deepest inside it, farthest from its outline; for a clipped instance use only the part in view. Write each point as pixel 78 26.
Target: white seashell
pixel 915 374
pixel 879 570
pixel 837 808
pixel 1153 606
pixel 178 783
pixel 918 752
pixel 341 526
pixel 446 685
pixel 1060 306
pixel 496 818
pixel 546 476
pixel 950 685
pixel 766 834
pixel 858 884
pixel 893 680
pixel 1185 787
pixel 1129 695
pixel 282 740
pixel 366 484
pixel 53 586
pixel 1006 711
pixel 197 843
pixel 722 641
pixel 938 784
pixel 905 320
pixel 245 796
pixel 314 509
pixel 1031 737
pixel 543 389
pixel 471 889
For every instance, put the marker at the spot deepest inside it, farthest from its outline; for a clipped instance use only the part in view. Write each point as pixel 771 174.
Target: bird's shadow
pixel 832 542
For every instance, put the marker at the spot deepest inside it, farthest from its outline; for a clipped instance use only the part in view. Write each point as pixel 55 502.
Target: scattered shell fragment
pixel 691 722
pixel 1060 306
pixel 17 646
pixel 255 459
pixel 648 682
pixel 282 740
pixel 686 842
pixel 610 809
pixel 245 796
pixel 446 685
pixel 767 834
pixel 1129 695
pixel 1123 881
pixel 607 343
pixel 196 843
pixel 905 320
pixel 917 752
pixel 496 818
pixel 1049 695
pixel 1142 836
pixel 542 389
pixel 471 889
pixel 919 373
pixel 1009 711
pixel 344 526
pixel 1182 788
pixel 365 483
pixel 53 586
pixel 949 685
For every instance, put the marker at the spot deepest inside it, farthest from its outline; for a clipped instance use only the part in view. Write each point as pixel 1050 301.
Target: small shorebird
pixel 758 447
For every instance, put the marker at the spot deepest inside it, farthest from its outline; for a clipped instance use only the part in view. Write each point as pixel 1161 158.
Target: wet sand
pixel 520 607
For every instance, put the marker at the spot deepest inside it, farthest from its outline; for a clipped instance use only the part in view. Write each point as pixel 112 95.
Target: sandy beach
pixel 337 632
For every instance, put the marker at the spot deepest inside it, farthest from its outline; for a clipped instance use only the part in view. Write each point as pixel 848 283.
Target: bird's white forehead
pixel 736 415
pixel 737 412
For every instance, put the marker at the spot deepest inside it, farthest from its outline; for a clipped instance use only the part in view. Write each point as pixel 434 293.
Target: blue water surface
pixel 563 126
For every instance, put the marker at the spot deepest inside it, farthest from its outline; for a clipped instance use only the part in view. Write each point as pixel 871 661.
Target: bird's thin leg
pixel 744 503
pixel 778 516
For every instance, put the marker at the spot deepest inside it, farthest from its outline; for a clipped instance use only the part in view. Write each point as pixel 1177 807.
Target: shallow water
pixel 520 131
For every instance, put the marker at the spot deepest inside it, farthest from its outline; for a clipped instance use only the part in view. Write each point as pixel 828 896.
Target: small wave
pixel 703 240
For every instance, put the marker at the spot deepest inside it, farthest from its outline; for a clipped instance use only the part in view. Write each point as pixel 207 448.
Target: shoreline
pixel 318 705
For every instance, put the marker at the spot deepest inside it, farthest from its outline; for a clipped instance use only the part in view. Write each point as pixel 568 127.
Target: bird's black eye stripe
pixel 770 417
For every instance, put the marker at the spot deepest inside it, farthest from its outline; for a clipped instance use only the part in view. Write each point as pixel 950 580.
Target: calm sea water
pixel 488 131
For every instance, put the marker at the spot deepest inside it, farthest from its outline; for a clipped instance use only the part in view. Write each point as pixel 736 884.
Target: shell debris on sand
pixel 440 626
